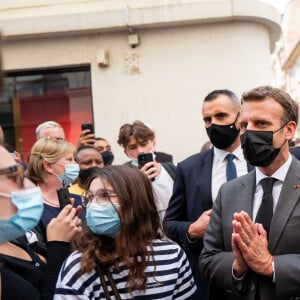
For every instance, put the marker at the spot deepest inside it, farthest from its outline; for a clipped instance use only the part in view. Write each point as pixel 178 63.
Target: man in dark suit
pixel 295 151
pixel 256 258
pixel 199 177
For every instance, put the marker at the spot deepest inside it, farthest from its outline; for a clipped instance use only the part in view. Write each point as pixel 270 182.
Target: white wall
pixel 173 69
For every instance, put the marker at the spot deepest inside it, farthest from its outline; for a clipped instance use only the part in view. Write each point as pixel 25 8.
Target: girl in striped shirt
pixel 122 239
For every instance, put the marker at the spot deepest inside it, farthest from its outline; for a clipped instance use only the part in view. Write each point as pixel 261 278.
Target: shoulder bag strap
pixel 170 168
pixel 114 288
pixel 103 283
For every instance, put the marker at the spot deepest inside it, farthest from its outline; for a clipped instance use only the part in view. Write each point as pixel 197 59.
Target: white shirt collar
pixel 279 174
pixel 221 154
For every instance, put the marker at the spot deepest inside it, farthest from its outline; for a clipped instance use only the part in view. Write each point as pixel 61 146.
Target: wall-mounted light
pixel 133 39
pixel 103 58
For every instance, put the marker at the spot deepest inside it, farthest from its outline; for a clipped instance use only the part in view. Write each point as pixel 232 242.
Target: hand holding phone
pixel 88 126
pixel 63 196
pixel 87 136
pixel 144 158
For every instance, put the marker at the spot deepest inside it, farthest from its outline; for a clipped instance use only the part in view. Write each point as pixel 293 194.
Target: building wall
pixel 291 46
pixel 163 80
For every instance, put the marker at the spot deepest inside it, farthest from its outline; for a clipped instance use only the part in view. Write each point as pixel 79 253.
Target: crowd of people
pixel 221 224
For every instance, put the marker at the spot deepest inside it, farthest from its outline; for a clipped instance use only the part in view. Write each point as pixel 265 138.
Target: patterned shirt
pixel 172 280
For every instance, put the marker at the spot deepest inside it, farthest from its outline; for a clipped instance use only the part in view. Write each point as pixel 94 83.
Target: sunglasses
pixel 15 172
pixel 101 197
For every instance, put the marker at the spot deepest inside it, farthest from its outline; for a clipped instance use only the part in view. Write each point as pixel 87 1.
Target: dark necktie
pixel 230 167
pixel 265 212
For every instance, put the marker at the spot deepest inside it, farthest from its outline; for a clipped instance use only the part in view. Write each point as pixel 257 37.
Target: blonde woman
pixel 51 163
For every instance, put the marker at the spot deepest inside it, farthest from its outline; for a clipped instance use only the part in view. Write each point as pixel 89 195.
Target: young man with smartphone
pixel 138 141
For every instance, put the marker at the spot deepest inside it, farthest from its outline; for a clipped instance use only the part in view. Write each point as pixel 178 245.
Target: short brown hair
pixel 138 129
pixel 289 106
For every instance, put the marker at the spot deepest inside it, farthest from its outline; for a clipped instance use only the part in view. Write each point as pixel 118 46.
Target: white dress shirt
pixel 219 168
pixel 162 189
pixel 280 175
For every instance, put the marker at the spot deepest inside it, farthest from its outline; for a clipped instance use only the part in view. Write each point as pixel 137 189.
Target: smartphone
pixel 144 158
pixel 89 126
pixel 63 197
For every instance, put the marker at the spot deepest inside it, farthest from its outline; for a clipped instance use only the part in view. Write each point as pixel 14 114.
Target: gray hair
pixel 44 125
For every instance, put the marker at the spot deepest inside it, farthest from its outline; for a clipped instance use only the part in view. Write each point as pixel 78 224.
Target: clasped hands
pixel 250 246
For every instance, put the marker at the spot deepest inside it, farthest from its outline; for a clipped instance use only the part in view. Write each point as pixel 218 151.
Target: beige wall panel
pixel 162 81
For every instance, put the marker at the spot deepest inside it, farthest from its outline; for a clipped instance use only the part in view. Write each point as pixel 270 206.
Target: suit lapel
pixel 246 192
pixel 205 177
pixel 288 198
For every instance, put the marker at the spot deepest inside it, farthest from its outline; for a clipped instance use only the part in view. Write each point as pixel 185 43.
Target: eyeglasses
pixel 16 172
pixel 101 197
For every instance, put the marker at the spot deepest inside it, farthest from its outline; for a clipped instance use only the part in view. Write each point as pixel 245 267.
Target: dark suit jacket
pixel 295 151
pixel 284 242
pixel 162 157
pixel 191 197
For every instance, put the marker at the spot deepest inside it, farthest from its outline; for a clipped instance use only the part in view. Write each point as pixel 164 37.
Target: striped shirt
pixel 173 277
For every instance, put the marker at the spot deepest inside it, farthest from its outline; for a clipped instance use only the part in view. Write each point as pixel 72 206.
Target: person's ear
pixel 48 167
pixel 290 130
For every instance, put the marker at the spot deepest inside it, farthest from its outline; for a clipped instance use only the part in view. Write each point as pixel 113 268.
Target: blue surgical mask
pixel 134 162
pixel 108 157
pixel 30 208
pixel 103 219
pixel 71 173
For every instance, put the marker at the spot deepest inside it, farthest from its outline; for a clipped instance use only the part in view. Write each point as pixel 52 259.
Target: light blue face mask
pixel 71 173
pixel 30 208
pixel 103 219
pixel 135 162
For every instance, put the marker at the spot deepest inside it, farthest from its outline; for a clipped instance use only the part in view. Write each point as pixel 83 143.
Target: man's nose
pixel 141 149
pixel 94 164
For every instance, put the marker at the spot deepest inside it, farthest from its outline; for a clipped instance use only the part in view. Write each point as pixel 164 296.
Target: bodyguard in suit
pixel 199 177
pixel 256 258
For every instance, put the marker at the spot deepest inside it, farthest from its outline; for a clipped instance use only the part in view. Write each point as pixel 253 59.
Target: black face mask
pixel 222 136
pixel 84 175
pixel 108 157
pixel 258 147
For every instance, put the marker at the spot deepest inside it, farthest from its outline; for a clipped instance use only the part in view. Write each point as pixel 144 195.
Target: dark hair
pixel 140 225
pixel 85 147
pixel 289 106
pixel 138 129
pixel 230 94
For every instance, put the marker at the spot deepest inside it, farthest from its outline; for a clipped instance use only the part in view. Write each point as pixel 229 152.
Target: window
pixel 32 97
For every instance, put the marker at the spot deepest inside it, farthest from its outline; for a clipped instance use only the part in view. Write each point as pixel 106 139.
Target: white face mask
pixel 30 208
